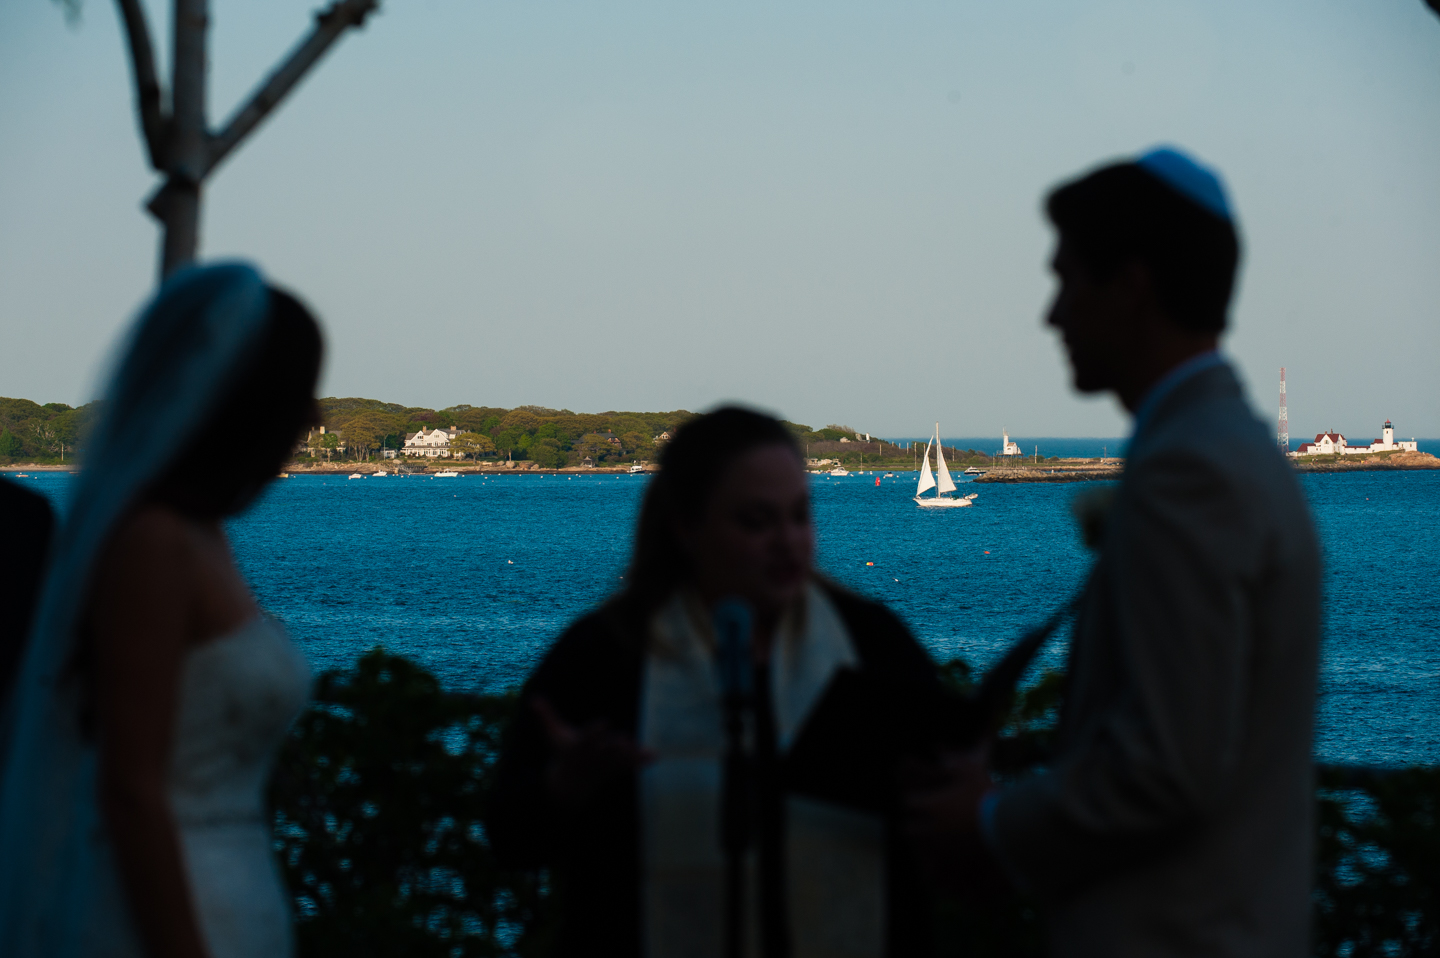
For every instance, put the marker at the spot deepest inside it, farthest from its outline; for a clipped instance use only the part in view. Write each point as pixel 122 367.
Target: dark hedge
pixel 380 791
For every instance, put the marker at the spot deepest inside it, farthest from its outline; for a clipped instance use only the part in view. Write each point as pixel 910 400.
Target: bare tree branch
pixel 147 85
pixel 329 25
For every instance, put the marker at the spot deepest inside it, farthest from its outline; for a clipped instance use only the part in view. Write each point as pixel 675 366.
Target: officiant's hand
pixel 942 804
pixel 585 758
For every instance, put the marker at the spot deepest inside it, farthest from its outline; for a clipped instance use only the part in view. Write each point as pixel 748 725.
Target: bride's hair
pixel 691 466
pixel 249 432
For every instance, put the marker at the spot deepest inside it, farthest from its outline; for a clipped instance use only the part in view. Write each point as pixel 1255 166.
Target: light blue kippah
pixel 1188 178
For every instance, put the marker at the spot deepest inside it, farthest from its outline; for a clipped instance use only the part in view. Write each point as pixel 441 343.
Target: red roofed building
pixel 1332 443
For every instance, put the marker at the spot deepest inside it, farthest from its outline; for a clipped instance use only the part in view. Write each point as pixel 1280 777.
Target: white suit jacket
pixel 1176 819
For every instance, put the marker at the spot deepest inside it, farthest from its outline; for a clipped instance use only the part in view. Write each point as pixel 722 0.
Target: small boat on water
pixel 839 471
pixel 943 485
pixel 447 474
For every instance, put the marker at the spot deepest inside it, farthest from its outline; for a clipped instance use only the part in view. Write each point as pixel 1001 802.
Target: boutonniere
pixel 1091 509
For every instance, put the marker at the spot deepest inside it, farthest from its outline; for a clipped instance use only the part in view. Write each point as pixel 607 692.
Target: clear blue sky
pixel 827 209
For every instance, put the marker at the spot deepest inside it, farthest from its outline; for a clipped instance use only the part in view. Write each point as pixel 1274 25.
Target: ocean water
pixel 476 576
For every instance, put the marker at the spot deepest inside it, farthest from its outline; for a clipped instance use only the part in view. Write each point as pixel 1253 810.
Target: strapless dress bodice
pixel 238 696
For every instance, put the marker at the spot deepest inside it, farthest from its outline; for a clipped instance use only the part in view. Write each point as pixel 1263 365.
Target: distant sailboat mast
pixel 946 483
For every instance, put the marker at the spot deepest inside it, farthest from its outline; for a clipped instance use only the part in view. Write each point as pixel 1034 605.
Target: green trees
pixel 359 427
pixel 637 443
pixel 53 431
pixel 379 798
pixel 471 444
pixel 368 430
pixel 547 454
pixel 595 446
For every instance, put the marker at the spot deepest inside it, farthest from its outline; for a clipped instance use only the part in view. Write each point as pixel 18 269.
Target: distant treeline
pixel 360 429
pixel 551 438
pixel 30 432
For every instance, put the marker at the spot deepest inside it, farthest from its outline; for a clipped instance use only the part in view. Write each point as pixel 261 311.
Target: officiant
pixel 617 773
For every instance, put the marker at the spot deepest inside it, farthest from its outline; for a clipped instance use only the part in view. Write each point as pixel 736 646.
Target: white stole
pixel 835 856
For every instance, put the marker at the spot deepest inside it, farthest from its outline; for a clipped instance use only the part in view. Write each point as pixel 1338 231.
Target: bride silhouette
pixel 153 692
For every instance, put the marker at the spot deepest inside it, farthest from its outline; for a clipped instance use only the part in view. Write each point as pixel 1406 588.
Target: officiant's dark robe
pixel 25 524
pixel 846 753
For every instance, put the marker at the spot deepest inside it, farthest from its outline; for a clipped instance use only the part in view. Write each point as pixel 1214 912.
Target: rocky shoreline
pixel 465 469
pixel 1379 462
pixel 1065 470
pixel 1094 470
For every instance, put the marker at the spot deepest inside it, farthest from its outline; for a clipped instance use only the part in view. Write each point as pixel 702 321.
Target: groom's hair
pixel 1121 214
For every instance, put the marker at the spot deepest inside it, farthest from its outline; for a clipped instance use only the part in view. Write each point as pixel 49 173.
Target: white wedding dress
pixel 238 696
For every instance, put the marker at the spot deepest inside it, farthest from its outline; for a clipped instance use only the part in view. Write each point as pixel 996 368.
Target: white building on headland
pixel 434 443
pixel 1333 443
pixel 1008 448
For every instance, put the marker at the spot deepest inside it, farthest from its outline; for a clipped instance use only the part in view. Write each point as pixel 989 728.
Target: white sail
pixel 927 481
pixel 946 483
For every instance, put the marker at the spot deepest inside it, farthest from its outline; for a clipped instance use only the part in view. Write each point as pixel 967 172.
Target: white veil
pixel 183 351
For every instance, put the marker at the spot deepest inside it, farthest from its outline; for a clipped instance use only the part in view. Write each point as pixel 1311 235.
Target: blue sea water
pixel 476 576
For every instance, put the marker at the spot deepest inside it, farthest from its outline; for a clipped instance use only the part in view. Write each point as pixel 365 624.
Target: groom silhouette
pixel 1176 818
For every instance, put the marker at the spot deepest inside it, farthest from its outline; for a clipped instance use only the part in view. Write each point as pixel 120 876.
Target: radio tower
pixel 1282 433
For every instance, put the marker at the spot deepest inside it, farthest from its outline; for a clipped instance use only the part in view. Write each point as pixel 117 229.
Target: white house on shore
pixel 432 444
pixel 1333 443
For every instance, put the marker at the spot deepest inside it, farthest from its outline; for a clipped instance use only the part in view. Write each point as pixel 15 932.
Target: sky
pixel 826 209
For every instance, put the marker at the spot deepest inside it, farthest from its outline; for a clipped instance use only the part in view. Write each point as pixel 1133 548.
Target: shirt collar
pixel 1167 384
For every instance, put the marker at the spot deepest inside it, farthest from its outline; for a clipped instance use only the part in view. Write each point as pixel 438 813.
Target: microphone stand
pixel 733 623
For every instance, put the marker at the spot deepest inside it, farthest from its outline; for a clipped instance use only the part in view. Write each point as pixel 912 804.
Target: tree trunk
pixel 178 204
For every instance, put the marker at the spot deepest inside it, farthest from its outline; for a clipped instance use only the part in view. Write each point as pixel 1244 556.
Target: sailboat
pixel 945 483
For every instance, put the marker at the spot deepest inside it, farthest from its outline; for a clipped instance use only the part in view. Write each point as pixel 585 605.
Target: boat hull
pixel 941 503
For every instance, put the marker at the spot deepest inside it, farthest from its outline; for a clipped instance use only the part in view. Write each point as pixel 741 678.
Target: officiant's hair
pixel 1121 213
pixel 258 419
pixel 691 466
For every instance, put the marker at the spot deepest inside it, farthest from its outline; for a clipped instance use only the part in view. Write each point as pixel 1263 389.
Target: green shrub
pixel 378 800
pixel 1378 887
pixel 380 793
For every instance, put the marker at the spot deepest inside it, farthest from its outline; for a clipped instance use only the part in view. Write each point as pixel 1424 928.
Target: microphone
pixel 732 621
